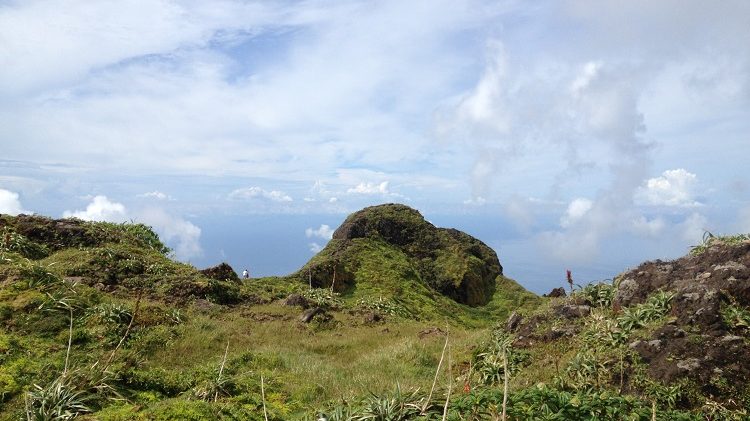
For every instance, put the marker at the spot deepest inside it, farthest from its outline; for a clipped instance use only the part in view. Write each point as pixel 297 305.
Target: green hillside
pixel 394 320
pixel 100 322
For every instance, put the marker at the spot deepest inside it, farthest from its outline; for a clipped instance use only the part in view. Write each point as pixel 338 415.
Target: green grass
pixel 174 325
pixel 710 239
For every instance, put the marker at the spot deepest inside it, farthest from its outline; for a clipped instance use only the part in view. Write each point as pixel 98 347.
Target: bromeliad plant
pixel 735 316
pixel 598 294
pixel 489 364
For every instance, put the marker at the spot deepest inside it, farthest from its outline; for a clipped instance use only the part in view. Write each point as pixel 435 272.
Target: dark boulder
pixel 556 292
pixel 297 300
pixel 308 315
pixel 221 272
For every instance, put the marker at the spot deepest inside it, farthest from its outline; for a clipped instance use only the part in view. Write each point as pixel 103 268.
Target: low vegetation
pixel 99 323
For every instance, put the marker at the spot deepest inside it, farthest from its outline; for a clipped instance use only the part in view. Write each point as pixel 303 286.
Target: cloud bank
pixel 10 203
pixel 178 233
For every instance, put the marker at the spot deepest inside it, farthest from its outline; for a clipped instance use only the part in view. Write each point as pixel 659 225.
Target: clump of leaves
pixel 598 294
pixel 69 395
pixel 586 372
pixel 488 360
pixel 134 233
pixel 655 307
pixel 11 241
pixel 735 316
pixel 38 276
pixel 602 330
pixel 59 400
pixel 710 239
pixel 114 313
pixel 392 307
pixel 397 406
pixel 718 411
pixel 323 297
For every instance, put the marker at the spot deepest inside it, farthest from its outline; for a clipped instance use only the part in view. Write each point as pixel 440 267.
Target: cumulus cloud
pixel 254 192
pixel 693 228
pixel 520 211
pixel 10 204
pixel 648 227
pixel 370 188
pixel 576 210
pixel 673 188
pixel 178 233
pixel 743 221
pixel 100 209
pixel 324 231
pixel 155 195
pixel 475 201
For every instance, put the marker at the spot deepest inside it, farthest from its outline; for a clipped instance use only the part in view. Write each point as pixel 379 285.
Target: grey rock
pixel 572 311
pixel 626 291
pixel 656 344
pixel 731 339
pixel 689 364
pixel 513 322
pixel 634 344
pixel 308 314
pixel 730 265
pixel 297 300
pixel 691 296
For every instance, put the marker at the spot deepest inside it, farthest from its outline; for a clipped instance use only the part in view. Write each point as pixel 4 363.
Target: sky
pixel 575 134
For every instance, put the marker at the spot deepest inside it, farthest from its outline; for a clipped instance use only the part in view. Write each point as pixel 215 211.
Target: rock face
pixel 702 285
pixel 446 260
pixel 703 339
pixel 221 272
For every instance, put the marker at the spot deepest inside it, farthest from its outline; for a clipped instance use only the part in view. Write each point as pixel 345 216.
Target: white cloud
pixel 370 188
pixel 576 210
pixel 325 232
pixel 673 188
pixel 156 195
pixel 183 235
pixel 178 233
pixel 249 193
pixel 519 210
pixel 10 204
pixel 475 201
pixel 693 228
pixel 584 79
pixel 648 227
pixel 100 209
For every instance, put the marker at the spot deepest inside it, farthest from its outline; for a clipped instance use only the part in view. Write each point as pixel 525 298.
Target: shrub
pixel 11 241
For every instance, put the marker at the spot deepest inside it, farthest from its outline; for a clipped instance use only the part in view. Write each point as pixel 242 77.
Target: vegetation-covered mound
pixel 675 333
pixel 380 246
pixel 97 322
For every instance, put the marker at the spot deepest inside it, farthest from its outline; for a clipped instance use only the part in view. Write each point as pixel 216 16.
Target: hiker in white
pixel 245 274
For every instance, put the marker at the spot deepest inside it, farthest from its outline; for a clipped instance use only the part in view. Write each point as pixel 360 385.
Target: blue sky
pixel 577 134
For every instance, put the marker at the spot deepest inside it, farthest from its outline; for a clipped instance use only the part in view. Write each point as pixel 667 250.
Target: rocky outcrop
pixel 448 261
pixel 221 272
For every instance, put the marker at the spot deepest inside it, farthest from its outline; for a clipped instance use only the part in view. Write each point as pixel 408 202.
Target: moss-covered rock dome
pixel 389 244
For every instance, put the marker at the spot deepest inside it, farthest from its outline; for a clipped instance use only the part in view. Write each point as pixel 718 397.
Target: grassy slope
pixel 169 362
pixel 175 347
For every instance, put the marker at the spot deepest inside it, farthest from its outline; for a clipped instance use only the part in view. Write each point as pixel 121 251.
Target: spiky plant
pixel 58 401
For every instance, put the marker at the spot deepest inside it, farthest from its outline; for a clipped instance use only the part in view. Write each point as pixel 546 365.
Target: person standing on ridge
pixel 245 274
